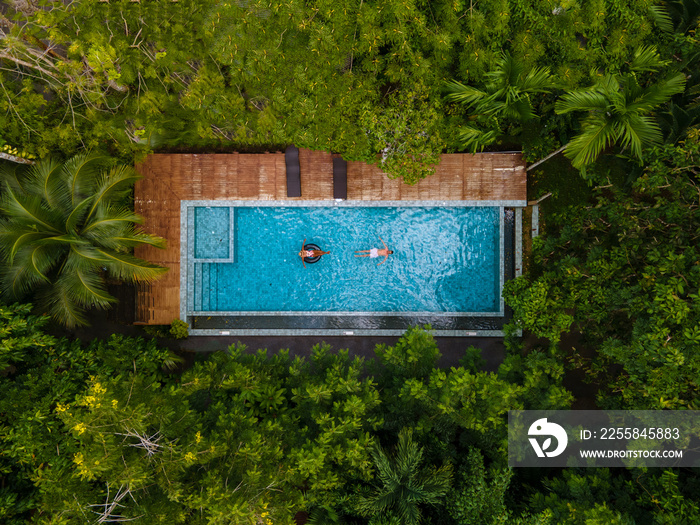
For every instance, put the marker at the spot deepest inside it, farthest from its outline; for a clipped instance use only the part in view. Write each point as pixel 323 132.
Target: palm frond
pixel 62 305
pixel 492 105
pixel 40 260
pixel 507 72
pixel 64 227
pixel 64 240
pixel 15 240
pixel 506 96
pixel 646 58
pixel 43 180
pixel 113 186
pixel 597 133
pixel 408 454
pixel 77 214
pixel 80 174
pixel 409 514
pixel 629 91
pixel 378 503
pixel 661 18
pixel 581 100
pixel 30 267
pixel 608 84
pixel 87 287
pixel 108 218
pixel 475 140
pixel 17 281
pixel 520 109
pixel 11 173
pixel 384 466
pixel 28 208
pixel 465 95
pixel 537 80
pixel 638 130
pixel 129 268
pixel 436 483
pixel 131 239
pixel 658 93
pixel 89 254
pixel 405 485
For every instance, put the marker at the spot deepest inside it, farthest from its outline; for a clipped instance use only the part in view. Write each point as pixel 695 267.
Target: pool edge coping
pixel 343 332
pixel 184 285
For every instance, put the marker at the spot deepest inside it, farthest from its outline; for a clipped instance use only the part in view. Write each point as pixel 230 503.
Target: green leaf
pixel 466 95
pixel 77 215
pixel 130 268
pixel 117 177
pixel 80 173
pixel 661 18
pixel 596 135
pixel 646 58
pixel 658 93
pixel 27 208
pixel 638 130
pixel 21 239
pixel 581 100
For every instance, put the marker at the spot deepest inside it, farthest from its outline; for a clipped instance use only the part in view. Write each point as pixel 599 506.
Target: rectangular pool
pixel 241 269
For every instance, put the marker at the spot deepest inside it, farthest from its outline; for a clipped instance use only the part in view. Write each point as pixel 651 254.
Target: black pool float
pixel 312 247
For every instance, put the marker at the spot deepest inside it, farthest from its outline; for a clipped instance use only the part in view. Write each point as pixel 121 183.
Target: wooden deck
pixel 170 178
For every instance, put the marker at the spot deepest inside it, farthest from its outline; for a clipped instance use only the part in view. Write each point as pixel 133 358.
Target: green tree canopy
pixel 247 437
pixel 36 464
pixel 624 273
pixel 363 78
pixel 617 496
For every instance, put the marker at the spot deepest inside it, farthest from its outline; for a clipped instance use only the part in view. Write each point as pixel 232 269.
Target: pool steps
pixel 205 277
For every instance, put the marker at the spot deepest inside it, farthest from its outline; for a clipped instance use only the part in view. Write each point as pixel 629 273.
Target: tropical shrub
pixel 179 329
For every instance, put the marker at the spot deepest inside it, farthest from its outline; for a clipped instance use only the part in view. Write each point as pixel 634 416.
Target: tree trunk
pixel 546 158
pixel 15 158
pixel 118 87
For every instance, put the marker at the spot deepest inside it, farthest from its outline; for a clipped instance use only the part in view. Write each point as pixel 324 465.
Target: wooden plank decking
pixel 170 178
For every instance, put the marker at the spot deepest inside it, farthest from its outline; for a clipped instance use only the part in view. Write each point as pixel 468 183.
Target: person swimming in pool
pixel 304 253
pixel 375 252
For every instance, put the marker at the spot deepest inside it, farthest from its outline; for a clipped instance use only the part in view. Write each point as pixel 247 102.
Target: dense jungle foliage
pixel 118 429
pixel 105 432
pixel 367 80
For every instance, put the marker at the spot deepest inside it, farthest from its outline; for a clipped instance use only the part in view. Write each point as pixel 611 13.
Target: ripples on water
pixel 445 260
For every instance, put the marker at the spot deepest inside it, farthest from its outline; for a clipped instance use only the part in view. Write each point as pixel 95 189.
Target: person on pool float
pixel 374 252
pixel 303 253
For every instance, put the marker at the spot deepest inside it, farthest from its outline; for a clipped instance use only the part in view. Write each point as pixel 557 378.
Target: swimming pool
pixel 240 268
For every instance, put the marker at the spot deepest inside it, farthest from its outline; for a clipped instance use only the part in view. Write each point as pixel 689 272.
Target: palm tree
pixel 65 230
pixel 506 96
pixel 404 484
pixel 619 110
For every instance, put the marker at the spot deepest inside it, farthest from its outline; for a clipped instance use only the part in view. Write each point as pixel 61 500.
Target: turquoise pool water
pixel 446 259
